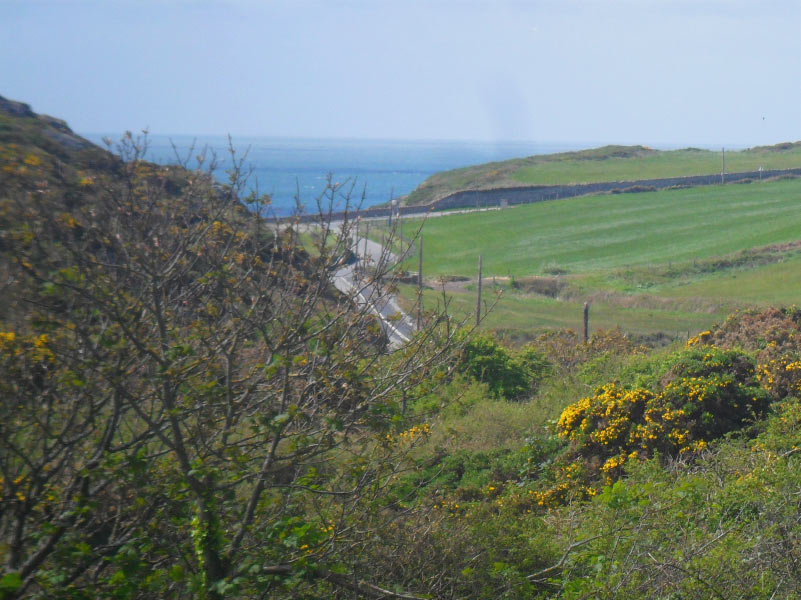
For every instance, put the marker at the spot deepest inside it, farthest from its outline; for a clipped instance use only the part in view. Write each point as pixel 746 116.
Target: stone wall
pixel 541 193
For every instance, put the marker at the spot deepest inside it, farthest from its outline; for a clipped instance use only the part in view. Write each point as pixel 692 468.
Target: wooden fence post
pixel 420 283
pixel 478 297
pixel 586 322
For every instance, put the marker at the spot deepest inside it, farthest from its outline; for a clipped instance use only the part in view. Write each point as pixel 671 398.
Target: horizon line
pixel 573 144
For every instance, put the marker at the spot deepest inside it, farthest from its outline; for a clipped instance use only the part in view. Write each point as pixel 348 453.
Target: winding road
pixel 350 279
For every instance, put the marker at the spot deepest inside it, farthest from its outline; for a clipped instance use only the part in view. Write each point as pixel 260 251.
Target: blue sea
pixel 376 170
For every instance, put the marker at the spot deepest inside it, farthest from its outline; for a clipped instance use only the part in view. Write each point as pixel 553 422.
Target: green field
pixel 671 262
pixel 579 235
pixel 610 163
pixel 769 284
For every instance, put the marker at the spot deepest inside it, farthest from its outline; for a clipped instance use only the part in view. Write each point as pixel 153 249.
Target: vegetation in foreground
pixel 670 473
pixel 190 410
pixel 609 163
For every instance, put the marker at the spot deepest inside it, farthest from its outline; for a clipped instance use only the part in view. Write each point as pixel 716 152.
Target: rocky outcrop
pixel 15 109
pixel 54 129
pixel 66 138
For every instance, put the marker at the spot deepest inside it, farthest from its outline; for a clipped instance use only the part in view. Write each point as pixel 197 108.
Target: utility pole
pixel 358 266
pixel 366 233
pixel 723 167
pixel 586 322
pixel 420 283
pixel 478 298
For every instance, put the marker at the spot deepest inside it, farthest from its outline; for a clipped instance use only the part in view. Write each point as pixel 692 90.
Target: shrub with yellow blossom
pixel 781 376
pixel 23 358
pixel 774 335
pixel 700 394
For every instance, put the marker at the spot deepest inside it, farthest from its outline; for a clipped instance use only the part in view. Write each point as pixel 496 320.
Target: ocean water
pixel 373 171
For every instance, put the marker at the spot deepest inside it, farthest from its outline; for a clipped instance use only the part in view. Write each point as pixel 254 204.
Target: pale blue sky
pixel 705 72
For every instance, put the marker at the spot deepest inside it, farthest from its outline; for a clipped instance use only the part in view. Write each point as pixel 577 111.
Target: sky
pixel 654 72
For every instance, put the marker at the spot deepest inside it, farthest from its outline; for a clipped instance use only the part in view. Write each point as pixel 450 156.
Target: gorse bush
pixel 700 394
pixel 777 328
pixel 774 335
pixel 725 526
pixel 567 350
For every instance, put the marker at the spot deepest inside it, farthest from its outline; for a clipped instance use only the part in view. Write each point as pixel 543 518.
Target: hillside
pixel 179 382
pixel 609 163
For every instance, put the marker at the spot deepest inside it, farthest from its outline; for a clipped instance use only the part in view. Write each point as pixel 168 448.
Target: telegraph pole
pixel 586 322
pixel 359 265
pixel 723 166
pixel 478 299
pixel 366 233
pixel 420 283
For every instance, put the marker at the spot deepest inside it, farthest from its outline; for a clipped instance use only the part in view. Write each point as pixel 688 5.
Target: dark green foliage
pixel 717 389
pixel 467 475
pixel 508 373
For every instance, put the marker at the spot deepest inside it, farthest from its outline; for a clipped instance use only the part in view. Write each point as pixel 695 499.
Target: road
pixel 349 279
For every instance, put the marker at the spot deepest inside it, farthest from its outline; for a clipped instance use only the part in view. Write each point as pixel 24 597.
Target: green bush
pixel 508 373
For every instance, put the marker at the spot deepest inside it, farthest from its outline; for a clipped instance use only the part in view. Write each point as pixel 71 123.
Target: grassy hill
pixel 586 234
pixel 609 163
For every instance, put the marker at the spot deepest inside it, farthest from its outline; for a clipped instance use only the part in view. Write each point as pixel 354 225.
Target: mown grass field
pixel 580 235
pixel 672 262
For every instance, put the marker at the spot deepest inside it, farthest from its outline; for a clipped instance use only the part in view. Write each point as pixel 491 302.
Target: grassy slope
pixel 770 284
pixel 647 262
pixel 518 313
pixel 610 163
